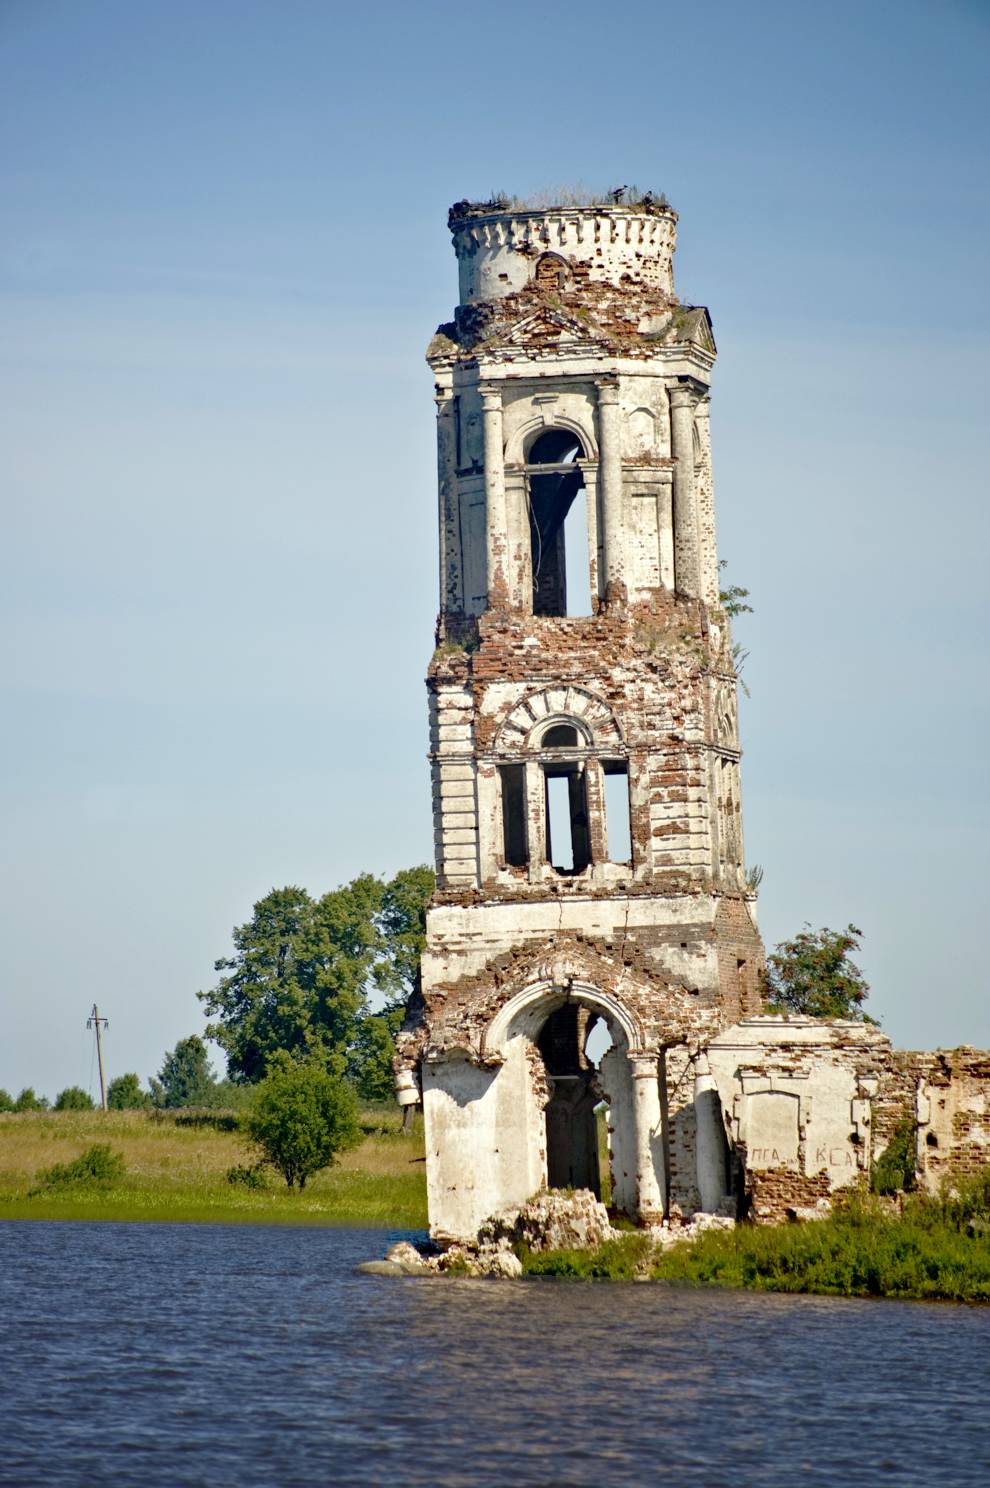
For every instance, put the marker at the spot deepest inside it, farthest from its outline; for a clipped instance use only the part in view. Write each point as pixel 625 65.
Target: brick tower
pixel 584 743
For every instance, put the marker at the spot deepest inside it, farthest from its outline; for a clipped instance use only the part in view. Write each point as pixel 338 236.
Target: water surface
pixel 170 1356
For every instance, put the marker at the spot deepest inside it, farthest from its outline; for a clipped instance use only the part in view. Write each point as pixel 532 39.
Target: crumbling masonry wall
pixel 585 762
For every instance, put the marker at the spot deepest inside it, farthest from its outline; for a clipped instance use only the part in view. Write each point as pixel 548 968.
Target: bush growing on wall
pixel 814 974
pixel 895 1170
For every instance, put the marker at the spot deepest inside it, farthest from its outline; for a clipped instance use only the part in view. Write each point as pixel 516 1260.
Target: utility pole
pixel 93 1021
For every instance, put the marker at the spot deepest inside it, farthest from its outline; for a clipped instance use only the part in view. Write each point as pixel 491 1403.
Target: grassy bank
pixel 935 1249
pixel 176 1165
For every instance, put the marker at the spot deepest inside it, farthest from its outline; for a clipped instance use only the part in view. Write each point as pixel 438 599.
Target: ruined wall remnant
pixel 593 936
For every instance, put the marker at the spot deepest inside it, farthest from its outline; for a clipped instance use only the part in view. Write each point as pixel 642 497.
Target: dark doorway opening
pixel 572 1124
pixel 558 526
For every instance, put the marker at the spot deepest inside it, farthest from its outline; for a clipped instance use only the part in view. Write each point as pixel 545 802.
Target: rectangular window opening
pixel 617 811
pixel 568 839
pixel 514 846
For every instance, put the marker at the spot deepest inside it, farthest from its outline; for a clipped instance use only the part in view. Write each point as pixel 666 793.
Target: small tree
pixel 813 974
pixel 73 1098
pixel 28 1101
pixel 185 1078
pixel 125 1094
pixel 302 1116
pixel 6 1101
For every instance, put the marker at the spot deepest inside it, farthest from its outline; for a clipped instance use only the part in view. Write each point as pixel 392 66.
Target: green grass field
pixel 176 1165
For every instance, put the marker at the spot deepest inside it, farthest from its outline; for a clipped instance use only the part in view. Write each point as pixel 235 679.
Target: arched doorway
pixel 558 525
pixel 570 1047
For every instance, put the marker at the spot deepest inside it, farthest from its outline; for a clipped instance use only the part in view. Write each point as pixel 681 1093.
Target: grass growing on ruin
pixel 856 1253
pixel 175 1167
pixel 935 1248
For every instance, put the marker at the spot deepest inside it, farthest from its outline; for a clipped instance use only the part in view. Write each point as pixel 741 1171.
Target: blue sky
pixel 224 252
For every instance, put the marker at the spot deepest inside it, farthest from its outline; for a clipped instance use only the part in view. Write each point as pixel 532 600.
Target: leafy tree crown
pixel 814 974
pixel 303 1115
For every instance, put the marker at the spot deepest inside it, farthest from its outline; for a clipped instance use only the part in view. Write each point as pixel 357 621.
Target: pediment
pixel 696 328
pixel 549 326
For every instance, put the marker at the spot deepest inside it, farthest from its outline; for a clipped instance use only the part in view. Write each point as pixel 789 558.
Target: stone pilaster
pixel 495 510
pixel 610 486
pixel 687 564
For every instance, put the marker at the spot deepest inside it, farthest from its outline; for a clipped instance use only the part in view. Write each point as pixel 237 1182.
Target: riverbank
pixel 176 1166
pixel 931 1249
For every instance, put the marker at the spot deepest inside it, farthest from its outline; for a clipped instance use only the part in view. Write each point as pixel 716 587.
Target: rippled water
pixel 186 1355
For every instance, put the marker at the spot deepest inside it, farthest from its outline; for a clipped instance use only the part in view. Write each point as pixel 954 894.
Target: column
pixel 495 514
pixel 687 577
pixel 448 515
pixel 610 481
pixel 646 1120
pixel 709 1140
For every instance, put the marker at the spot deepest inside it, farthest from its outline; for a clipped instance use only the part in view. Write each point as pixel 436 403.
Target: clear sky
pixel 224 252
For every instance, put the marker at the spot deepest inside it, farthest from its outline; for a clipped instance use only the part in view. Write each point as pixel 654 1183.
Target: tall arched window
pixel 558 525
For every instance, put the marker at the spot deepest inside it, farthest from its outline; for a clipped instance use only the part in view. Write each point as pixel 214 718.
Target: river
pixel 173 1356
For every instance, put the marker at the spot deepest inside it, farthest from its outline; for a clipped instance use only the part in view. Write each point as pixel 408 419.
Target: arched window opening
pixel 617 827
pixel 558 520
pixel 551 271
pixel 560 736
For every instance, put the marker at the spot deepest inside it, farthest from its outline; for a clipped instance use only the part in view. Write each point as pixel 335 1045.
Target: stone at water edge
pixel 550 1221
pixel 401 1259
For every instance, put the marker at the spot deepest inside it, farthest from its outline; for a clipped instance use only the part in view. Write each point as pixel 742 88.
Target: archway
pixel 575 1042
pixel 558 525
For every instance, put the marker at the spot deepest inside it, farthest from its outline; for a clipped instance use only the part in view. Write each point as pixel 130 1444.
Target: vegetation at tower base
pixel 814 975
pixel 927 1248
pixel 303 973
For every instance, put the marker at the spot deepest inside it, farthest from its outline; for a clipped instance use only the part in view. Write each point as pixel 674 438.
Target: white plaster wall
pixel 793 1090
pixel 497 253
pixel 485 1140
pixel 470 935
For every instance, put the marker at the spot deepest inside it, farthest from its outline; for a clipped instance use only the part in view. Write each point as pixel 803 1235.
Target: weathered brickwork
pixel 585 761
pixel 946 1095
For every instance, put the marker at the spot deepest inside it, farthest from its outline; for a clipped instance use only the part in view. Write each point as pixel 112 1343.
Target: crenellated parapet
pixel 501 251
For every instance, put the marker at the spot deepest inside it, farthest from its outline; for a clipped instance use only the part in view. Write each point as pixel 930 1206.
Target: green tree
pixel 6 1101
pixel 369 1061
pixel 73 1098
pixel 125 1094
pixel 402 925
pixel 303 1114
pixel 814 974
pixel 302 971
pixel 28 1101
pixel 185 1078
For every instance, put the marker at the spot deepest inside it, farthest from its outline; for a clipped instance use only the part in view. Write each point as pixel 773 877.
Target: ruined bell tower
pixel 583 725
